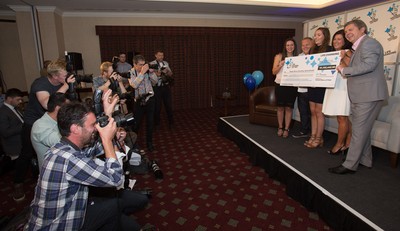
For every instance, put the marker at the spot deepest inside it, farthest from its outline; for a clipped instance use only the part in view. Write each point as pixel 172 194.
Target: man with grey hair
pixel 365 71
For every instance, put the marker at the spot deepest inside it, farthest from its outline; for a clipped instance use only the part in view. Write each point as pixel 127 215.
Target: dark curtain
pixel 204 60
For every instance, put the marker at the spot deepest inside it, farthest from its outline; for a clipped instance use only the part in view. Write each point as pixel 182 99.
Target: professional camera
pixel 153 66
pixel 115 61
pixel 120 119
pixel 126 75
pixel 143 98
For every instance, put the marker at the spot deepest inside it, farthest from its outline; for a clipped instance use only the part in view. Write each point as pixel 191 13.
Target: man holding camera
pixel 162 90
pixel 110 80
pixel 142 80
pixel 61 195
pixel 41 89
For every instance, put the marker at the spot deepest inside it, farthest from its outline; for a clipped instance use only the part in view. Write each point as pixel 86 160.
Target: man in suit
pixel 367 90
pixel 11 126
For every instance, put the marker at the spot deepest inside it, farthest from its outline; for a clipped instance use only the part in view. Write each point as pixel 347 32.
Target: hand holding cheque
pixel 315 70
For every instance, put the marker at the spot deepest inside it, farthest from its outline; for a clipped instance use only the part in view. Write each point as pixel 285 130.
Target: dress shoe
pixel 341 170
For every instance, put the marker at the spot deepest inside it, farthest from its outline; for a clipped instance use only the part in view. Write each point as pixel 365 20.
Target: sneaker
pixel 300 135
pixel 18 194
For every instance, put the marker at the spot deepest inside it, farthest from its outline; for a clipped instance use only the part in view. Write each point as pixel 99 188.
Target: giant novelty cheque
pixel 316 70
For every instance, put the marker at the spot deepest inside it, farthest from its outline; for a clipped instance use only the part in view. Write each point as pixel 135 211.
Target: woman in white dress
pixel 336 100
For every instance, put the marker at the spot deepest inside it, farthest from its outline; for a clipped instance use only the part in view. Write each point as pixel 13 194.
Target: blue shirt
pixel 61 194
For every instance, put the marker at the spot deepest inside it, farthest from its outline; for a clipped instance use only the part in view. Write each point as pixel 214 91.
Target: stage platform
pixel 366 200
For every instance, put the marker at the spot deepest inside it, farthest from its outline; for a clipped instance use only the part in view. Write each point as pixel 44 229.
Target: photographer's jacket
pixel 143 84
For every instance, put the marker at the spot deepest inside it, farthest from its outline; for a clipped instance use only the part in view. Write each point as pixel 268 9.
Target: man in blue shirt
pixel 61 195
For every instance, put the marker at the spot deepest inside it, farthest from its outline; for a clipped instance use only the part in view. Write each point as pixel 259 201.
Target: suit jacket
pixel 10 131
pixel 365 76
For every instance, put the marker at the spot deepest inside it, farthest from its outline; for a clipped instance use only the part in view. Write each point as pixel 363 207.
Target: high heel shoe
pixel 344 150
pixel 280 132
pixel 312 138
pixel 331 152
pixel 285 133
pixel 318 142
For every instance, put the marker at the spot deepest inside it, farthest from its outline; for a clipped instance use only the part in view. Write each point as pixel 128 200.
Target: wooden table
pixel 226 102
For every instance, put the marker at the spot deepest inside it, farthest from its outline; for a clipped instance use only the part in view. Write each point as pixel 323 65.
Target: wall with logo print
pixel 383 21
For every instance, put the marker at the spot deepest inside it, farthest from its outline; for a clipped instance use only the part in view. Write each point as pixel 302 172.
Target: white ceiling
pixel 165 6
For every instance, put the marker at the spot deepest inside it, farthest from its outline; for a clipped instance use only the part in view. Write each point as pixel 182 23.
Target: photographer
pixel 162 90
pixel 41 89
pixel 142 80
pixel 61 196
pixel 110 80
pixel 122 65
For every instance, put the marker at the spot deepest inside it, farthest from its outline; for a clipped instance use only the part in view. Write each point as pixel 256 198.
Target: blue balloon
pixel 258 76
pixel 250 83
pixel 245 77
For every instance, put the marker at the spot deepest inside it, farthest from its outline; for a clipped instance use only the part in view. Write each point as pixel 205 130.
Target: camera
pixel 143 98
pixel 120 119
pixel 153 66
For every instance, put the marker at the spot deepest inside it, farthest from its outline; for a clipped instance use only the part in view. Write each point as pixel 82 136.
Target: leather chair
pixel 262 107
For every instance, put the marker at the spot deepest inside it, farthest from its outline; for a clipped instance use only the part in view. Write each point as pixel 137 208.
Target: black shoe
pixel 341 170
pixel 339 151
pixel 300 135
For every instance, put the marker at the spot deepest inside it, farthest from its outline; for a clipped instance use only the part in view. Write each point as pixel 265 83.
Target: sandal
pixel 312 138
pixel 280 132
pixel 285 133
pixel 318 142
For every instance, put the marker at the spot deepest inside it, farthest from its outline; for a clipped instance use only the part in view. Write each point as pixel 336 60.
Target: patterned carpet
pixel 208 184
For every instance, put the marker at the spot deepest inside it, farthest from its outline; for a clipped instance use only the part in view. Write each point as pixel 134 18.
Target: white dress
pixel 336 100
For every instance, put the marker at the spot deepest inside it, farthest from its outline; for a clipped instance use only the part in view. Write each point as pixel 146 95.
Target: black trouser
pixel 304 109
pixel 25 157
pixel 139 113
pixel 106 214
pixel 163 96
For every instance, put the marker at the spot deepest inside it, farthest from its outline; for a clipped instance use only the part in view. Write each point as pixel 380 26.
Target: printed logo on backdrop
pixel 391 30
pixel 313 27
pixel 339 22
pixel 389 52
pixel 386 72
pixel 371 33
pixel 356 18
pixel 325 23
pixel 394 10
pixel 372 15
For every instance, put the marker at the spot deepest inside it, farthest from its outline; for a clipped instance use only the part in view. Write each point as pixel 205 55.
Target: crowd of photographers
pixel 81 145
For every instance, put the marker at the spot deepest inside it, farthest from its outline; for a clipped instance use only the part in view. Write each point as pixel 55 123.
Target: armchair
pixel 262 107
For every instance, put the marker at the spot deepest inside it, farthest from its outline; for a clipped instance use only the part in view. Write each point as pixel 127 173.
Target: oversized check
pixel 316 70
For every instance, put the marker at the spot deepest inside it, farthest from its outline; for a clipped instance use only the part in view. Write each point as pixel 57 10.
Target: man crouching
pixel 61 195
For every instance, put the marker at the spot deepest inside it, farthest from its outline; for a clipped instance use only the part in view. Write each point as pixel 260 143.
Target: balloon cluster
pixel 253 80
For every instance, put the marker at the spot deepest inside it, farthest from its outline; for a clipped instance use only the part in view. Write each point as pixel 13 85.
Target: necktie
pixel 19 114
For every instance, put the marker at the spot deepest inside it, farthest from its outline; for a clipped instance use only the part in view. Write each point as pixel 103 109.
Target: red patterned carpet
pixel 208 184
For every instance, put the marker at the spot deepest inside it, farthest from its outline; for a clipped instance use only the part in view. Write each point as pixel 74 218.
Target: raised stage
pixel 366 200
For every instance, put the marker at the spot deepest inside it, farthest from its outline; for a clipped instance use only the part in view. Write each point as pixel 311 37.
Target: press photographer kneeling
pixel 61 199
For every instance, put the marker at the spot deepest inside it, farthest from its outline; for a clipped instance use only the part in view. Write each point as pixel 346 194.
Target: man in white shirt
pixel 302 96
